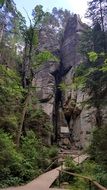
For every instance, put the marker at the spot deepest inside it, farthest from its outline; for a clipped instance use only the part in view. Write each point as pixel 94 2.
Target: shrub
pixel 10 161
pixel 95 171
pixel 98 147
pixel 70 164
pixel 20 166
pixel 53 152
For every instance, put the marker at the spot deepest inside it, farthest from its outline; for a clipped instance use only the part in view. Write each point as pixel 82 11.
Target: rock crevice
pixel 72 120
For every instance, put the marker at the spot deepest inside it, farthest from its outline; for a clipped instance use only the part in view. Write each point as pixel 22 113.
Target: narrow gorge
pixel 72 121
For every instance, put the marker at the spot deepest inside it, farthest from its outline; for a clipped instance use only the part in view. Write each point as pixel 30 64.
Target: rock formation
pixel 80 118
pixel 72 121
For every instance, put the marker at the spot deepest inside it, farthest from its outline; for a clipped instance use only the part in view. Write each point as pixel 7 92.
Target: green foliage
pixel 10 83
pixel 20 166
pixel 16 167
pixel 93 56
pixel 38 15
pixel 9 123
pixel 64 87
pixel 79 184
pixel 7 150
pixel 70 164
pixel 32 150
pixel 92 74
pixel 104 67
pixel 98 148
pixel 97 12
pixel 80 70
pixel 53 151
pixel 86 42
pixel 70 167
pixel 11 94
pixel 45 56
pixel 84 76
pixel 1 3
pixel 37 117
pixel 36 154
pixel 92 170
pixel 79 82
pixel 35 39
pixel 10 161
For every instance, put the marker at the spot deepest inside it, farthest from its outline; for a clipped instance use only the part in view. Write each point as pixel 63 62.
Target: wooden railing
pixel 55 160
pixel 91 182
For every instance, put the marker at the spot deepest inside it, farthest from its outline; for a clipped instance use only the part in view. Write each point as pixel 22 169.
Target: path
pixel 44 181
pixel 81 158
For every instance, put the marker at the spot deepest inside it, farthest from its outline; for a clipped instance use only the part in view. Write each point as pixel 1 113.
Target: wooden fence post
pixel 59 178
pixel 90 185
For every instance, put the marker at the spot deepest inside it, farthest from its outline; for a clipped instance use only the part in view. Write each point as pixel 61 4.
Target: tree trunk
pixel 102 25
pixel 27 80
pixel 98 118
pixel 26 67
pixel 3 24
pixel 23 118
pixel 2 32
pixel 101 13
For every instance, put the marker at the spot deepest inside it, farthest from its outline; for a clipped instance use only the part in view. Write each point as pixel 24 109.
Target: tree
pixel 86 42
pixel 98 148
pixel 92 76
pixel 1 3
pixel 7 12
pixel 97 12
pixel 98 38
pixel 11 95
pixel 92 39
pixel 11 35
pixel 32 59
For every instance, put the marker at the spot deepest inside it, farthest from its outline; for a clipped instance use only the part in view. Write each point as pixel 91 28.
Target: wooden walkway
pixel 81 158
pixel 44 181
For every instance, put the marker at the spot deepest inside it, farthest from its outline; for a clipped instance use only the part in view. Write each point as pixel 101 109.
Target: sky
pixel 75 6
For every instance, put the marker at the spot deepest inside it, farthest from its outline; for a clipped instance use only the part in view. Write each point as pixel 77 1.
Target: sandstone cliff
pixel 72 121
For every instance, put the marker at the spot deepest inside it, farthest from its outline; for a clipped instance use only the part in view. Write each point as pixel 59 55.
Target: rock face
pixel 45 85
pixel 81 119
pixel 69 48
pixel 73 121
pixel 44 79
